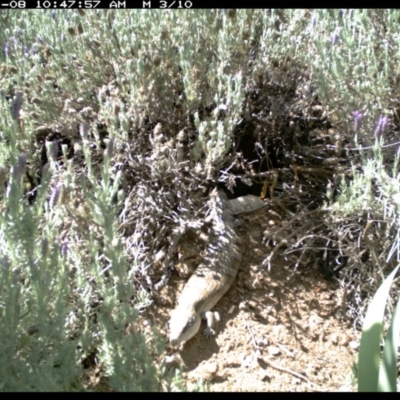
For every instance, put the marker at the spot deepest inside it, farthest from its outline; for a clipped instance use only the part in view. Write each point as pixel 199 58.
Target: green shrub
pixel 77 243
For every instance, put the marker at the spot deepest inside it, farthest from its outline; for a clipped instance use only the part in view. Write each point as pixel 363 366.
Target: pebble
pixel 274 351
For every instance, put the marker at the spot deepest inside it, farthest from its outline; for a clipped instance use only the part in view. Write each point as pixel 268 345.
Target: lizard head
pixel 183 325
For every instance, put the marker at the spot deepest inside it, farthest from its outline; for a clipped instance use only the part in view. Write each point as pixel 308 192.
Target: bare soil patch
pixel 280 330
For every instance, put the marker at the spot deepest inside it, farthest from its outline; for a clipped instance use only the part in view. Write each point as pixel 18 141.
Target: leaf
pixel 388 370
pixel 369 355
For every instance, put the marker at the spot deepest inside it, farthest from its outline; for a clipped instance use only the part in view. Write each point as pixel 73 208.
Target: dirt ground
pixel 280 330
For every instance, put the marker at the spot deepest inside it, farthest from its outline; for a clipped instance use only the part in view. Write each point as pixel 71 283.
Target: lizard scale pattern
pixel 215 275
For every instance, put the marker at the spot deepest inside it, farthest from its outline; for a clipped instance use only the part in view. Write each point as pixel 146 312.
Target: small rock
pixel 274 351
pixel 354 345
pixel 265 377
pixel 243 306
pixel 263 342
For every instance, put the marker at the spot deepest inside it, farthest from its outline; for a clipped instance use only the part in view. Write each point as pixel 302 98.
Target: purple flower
pixel 10 44
pixel 40 39
pixel 55 195
pixel 6 49
pixel 53 15
pixel 335 36
pixel 356 120
pixel 381 126
pixel 64 247
pixel 313 21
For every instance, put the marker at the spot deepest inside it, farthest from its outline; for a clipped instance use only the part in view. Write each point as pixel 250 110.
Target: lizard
pixel 215 275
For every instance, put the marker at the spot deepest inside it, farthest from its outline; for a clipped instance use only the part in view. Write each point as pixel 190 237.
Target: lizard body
pixel 215 275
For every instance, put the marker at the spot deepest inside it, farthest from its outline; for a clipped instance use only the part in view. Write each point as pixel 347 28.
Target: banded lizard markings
pixel 215 275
